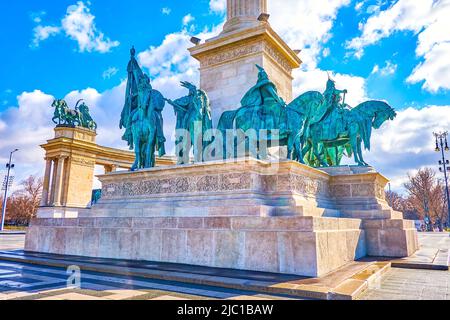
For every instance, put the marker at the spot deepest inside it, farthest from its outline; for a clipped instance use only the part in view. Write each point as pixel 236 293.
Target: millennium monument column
pixel 242 14
pixel 227 62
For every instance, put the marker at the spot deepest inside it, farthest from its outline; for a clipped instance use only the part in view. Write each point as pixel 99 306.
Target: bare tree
pixel 425 194
pixel 396 200
pixel 23 204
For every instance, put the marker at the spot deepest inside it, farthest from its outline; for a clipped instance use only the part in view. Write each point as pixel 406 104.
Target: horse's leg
pixel 354 144
pixel 152 147
pixel 151 144
pixel 336 158
pixel 360 152
pixel 194 146
pixel 315 146
pixel 137 153
pixel 298 149
pixel 290 146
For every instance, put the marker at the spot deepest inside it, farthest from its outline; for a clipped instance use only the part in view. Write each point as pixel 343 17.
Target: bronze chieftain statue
pixel 333 128
pixel 142 117
pixel 193 114
pixel 318 129
pixel 264 98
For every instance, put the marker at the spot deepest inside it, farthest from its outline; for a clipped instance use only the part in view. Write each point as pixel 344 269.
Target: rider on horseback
pixel 333 96
pixel 264 97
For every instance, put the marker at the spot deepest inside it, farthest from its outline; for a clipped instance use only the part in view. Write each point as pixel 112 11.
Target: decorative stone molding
pixel 231 54
pixel 174 185
pixel 223 182
pixel 273 53
pixel 83 161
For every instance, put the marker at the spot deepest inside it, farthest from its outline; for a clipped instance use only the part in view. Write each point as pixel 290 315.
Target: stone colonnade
pixel 71 157
pixel 56 170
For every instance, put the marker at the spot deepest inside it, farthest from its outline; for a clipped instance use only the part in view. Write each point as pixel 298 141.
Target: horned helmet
pixel 331 84
pixel 262 75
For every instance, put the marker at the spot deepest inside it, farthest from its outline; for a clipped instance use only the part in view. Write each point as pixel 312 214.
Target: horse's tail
pixel 365 131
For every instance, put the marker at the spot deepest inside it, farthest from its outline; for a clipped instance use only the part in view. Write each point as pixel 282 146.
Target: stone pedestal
pixel 294 245
pixel 247 214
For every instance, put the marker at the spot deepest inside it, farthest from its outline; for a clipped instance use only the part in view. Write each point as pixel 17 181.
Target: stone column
pixel 46 184
pixel 245 8
pixel 53 182
pixel 243 13
pixel 58 181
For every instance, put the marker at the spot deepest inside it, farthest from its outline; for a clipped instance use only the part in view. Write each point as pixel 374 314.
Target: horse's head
pixel 56 103
pixel 383 112
pixel 59 104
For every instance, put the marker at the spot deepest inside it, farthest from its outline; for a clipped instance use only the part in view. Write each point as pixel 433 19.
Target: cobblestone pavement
pixel 411 284
pixel 414 284
pixel 434 240
pixel 11 241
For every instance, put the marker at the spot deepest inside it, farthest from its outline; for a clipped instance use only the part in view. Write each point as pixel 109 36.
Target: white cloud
pixel 316 80
pixel 171 59
pixel 166 11
pixel 41 33
pixel 218 6
pixel 359 5
pixel 26 127
pixel 110 72
pixel 428 19
pixel 389 69
pixel 78 24
pixel 375 69
pixel 305 24
pixel 37 16
pixel 407 144
pixel 435 70
pixel 188 19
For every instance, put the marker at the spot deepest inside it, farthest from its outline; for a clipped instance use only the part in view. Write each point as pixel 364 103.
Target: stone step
pixel 305 211
pixel 358 206
pixel 372 214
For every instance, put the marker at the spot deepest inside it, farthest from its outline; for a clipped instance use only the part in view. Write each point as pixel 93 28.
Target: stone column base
pixel 391 237
pixel 305 246
pixel 61 212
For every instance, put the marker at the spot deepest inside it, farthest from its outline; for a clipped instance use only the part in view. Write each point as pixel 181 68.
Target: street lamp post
pixel 444 165
pixel 9 166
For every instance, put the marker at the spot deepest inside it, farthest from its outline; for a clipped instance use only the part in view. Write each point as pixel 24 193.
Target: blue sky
pixel 57 66
pixel 392 50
